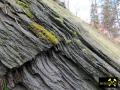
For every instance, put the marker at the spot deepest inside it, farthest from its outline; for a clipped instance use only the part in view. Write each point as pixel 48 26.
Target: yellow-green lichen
pixel 25 7
pixel 40 31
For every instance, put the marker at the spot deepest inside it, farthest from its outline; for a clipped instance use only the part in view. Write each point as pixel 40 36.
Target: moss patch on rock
pixel 26 8
pixel 40 31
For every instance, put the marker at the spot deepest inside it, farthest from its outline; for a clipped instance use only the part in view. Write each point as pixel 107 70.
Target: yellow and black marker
pixel 109 82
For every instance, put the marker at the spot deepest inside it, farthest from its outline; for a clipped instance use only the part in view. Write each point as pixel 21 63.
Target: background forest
pixel 104 16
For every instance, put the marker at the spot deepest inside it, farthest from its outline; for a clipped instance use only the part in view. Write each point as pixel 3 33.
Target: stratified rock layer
pixel 29 61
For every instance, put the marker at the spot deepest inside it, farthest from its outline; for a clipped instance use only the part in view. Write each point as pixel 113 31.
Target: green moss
pixel 40 31
pixel 68 41
pixel 25 6
pixel 28 13
pixel 74 34
pixel 4 85
pixel 60 19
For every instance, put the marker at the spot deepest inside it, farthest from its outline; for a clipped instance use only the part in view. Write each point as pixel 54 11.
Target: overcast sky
pixel 82 7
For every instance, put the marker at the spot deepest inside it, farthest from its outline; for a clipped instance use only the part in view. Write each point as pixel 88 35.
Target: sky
pixel 82 7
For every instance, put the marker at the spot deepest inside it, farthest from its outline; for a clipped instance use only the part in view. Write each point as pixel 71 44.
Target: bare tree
pixel 94 14
pixel 110 15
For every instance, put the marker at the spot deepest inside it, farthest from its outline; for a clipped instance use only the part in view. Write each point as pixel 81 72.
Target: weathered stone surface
pixel 34 63
pixel 3 70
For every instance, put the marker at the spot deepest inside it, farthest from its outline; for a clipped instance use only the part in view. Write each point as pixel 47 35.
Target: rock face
pixel 58 52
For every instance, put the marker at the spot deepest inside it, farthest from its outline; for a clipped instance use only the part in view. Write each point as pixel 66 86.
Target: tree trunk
pixel 44 47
